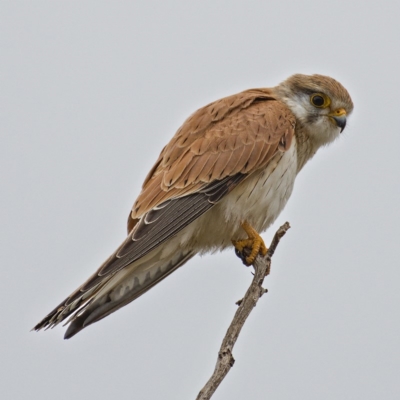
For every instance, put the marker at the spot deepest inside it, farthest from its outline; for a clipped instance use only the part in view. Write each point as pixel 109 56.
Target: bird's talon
pixel 254 244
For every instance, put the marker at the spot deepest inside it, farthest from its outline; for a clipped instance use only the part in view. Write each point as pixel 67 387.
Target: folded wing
pixel 214 150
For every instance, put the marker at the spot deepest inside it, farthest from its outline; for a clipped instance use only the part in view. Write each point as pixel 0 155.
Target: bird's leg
pixel 254 243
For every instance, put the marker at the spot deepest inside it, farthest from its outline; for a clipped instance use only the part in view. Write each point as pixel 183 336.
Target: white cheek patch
pixel 299 107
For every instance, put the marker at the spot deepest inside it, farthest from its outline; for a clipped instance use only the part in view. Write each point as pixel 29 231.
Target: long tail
pixel 113 293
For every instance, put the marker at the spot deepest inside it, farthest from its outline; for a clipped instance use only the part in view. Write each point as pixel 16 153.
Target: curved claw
pixel 254 243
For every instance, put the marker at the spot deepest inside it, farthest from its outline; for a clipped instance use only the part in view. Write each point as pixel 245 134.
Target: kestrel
pixel 229 170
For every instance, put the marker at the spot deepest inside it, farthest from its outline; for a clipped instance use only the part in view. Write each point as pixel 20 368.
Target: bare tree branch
pixel 225 361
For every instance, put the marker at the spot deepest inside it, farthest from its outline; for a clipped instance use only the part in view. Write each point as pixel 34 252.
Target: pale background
pixel 90 93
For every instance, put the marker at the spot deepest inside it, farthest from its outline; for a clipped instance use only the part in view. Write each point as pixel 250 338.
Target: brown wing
pixel 237 134
pixel 214 150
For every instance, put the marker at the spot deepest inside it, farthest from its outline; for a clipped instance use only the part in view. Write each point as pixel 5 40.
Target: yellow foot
pixel 254 243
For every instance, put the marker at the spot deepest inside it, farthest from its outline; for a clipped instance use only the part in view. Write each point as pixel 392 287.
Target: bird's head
pixel 320 104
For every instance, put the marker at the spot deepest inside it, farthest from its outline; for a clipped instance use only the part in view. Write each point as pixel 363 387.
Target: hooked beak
pixel 339 118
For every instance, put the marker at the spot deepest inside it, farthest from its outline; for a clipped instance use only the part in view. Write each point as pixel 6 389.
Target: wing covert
pixel 237 134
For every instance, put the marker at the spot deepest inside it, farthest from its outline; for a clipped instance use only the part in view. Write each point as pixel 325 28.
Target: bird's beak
pixel 339 118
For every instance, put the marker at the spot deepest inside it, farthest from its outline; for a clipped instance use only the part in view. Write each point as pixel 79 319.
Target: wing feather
pixel 238 134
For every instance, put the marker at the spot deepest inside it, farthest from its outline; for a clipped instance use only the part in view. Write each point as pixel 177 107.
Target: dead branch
pixel 225 361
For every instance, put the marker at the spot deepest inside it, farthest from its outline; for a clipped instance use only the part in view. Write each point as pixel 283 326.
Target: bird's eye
pixel 319 100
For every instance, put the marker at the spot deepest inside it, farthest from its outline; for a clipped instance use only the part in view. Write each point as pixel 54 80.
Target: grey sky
pixel 90 93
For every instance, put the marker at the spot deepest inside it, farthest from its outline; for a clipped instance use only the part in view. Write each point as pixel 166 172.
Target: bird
pixel 227 172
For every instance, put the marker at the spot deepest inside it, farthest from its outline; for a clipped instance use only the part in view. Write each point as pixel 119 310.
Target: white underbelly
pixel 259 200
